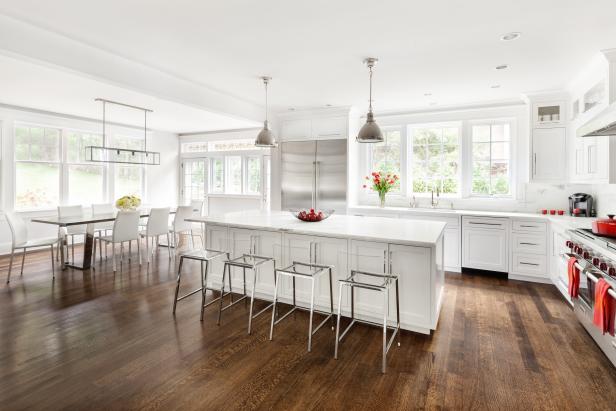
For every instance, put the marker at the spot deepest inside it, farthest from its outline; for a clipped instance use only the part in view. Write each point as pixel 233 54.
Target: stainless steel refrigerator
pixel 314 174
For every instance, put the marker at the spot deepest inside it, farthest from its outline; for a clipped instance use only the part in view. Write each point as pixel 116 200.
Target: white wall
pixel 161 181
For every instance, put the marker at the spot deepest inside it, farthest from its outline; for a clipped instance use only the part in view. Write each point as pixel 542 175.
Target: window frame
pixel 512 157
pixel 58 162
pixel 460 177
pixel 66 165
pixel 367 168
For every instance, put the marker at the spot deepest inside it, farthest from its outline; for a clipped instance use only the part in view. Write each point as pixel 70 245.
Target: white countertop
pixel 382 229
pixel 565 220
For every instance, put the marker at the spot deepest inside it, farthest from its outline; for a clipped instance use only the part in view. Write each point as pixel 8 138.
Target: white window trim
pixel 512 158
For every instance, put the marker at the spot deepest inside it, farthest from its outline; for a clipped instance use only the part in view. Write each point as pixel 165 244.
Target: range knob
pixel 595 261
pixel 612 271
pixel 569 243
pixel 603 266
pixel 586 255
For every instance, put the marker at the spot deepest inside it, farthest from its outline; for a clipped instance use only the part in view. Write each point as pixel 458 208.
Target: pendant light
pixel 370 132
pixel 266 136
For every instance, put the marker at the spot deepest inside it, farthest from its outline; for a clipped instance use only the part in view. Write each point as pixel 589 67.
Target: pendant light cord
pixel 265 82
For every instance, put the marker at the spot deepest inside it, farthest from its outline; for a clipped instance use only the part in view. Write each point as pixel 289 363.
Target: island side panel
pixel 438 280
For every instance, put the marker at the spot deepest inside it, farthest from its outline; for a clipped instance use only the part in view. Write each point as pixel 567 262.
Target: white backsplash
pixel 532 198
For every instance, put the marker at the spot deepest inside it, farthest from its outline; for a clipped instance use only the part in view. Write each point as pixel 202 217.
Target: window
pixel 233 178
pixel 491 159
pixel 194 179
pixel 129 178
pixel 218 176
pixel 86 181
pixel 387 156
pixel 37 167
pixel 219 145
pixel 436 159
pixel 253 175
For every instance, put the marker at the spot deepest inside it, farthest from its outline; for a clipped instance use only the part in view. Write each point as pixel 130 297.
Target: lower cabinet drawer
pixel 528 243
pixel 529 264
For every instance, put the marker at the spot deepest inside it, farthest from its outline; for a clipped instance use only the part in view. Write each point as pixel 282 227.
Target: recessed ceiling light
pixel 291 109
pixel 495 86
pixel 328 105
pixel 433 103
pixel 502 67
pixel 511 36
pixel 427 94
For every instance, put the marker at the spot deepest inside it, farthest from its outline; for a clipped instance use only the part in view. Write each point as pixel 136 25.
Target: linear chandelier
pixel 104 154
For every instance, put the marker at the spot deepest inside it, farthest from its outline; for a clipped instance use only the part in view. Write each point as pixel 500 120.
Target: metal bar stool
pixel 250 262
pixel 311 272
pixel 384 286
pixel 204 256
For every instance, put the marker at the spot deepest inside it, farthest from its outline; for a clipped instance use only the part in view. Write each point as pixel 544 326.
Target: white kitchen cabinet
pixel 330 127
pixel 549 114
pixel 315 250
pixel 296 129
pixel 485 243
pixel 549 154
pixel 216 238
pixel 529 250
pixel 594 160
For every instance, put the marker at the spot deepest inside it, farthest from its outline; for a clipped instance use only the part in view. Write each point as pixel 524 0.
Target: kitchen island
pixel 411 249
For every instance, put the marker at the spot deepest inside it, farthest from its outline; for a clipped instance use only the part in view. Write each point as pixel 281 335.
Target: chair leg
pixel 130 250
pixel 53 268
pixel 139 250
pixel 73 248
pixel 203 277
pixel 169 245
pixel 222 288
pixel 252 300
pixel 113 257
pixel 100 247
pixel 94 251
pixel 277 277
pixel 177 286
pixel 338 321
pixel 8 278
pixel 23 259
pixel 385 309
pixel 311 314
pixel 147 248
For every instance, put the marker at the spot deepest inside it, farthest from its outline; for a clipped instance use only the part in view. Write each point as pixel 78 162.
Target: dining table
pixel 90 220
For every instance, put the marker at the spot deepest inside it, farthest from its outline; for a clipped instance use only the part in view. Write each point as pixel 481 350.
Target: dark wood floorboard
pixel 104 341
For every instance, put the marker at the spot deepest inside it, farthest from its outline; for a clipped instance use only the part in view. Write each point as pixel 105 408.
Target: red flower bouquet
pixel 382 183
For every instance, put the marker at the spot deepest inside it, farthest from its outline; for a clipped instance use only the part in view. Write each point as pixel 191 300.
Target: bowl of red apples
pixel 311 215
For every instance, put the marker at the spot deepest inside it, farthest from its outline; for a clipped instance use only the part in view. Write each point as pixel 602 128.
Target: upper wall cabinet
pixel 549 114
pixel 549 155
pixel 315 125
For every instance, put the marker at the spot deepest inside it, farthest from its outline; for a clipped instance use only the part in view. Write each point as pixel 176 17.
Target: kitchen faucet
pixel 433 203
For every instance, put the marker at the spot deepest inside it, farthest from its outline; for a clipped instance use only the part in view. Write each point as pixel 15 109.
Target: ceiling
pixel 314 50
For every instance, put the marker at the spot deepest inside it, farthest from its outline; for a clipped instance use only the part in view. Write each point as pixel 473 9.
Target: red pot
pixel 605 226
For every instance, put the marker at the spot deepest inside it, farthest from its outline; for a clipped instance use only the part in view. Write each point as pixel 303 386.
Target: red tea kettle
pixel 605 226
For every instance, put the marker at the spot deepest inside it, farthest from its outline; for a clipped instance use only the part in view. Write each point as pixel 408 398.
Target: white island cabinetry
pixel 411 249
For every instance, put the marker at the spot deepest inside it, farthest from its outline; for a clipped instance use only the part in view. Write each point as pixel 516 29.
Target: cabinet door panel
pixel 452 248
pixel 268 244
pixel 329 127
pixel 549 154
pixel 370 257
pixel 411 265
pixel 216 238
pixel 485 249
pixel 241 242
pixel 334 252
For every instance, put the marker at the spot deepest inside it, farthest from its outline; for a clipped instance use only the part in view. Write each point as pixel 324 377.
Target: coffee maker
pixel 581 205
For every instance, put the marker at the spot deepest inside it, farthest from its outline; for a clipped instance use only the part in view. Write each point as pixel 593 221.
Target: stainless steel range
pixel 596 258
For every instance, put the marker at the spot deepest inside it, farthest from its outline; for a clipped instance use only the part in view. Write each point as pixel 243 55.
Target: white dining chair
pixel 72 230
pixel 19 239
pixel 102 229
pixel 158 224
pixel 182 227
pixel 125 229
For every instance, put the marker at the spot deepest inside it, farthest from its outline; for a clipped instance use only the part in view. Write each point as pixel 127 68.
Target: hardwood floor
pixel 105 341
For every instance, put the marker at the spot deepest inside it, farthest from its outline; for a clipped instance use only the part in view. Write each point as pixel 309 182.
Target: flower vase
pixel 382 199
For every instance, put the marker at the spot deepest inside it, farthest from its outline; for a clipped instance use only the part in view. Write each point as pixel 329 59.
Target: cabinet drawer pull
pixel 523 243
pixel 528 226
pixel 328 134
pixel 478 223
pixel 523 263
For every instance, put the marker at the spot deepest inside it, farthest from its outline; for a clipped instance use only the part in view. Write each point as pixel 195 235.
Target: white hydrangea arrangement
pixel 126 203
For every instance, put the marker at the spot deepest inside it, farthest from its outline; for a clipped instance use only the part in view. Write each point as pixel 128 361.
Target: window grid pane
pixel 491 154
pixel 386 156
pixel 435 159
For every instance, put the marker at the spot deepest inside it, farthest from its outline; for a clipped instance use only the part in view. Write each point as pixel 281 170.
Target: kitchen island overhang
pixel 411 249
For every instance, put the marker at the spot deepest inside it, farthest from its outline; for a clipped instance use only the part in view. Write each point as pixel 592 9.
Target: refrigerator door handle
pixel 316 184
